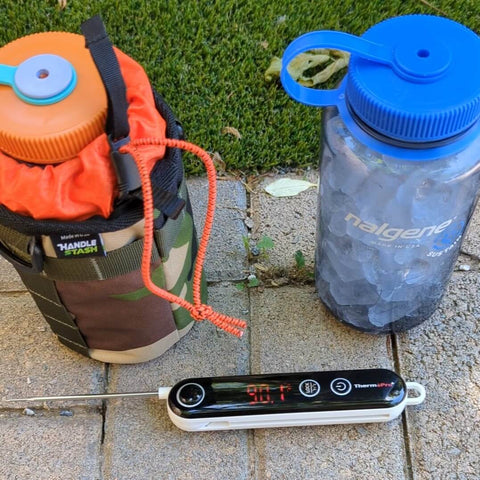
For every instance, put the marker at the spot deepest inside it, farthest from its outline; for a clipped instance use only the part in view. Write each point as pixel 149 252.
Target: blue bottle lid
pixel 414 78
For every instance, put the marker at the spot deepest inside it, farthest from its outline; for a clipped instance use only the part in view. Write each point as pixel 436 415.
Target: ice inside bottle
pixel 400 167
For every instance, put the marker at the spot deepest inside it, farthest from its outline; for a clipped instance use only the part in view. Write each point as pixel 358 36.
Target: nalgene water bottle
pixel 400 167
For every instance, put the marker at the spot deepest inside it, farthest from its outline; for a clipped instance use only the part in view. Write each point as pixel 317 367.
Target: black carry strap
pixel 101 49
pixel 117 127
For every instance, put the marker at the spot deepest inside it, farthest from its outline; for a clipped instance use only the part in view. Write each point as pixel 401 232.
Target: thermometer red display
pixel 263 393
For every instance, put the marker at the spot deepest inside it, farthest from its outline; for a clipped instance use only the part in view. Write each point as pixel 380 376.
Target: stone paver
pixel 288 221
pixel 33 362
pixel 289 330
pixel 49 446
pixel 471 242
pixel 9 278
pixel 140 433
pixel 226 256
pixel 292 331
pixel 444 355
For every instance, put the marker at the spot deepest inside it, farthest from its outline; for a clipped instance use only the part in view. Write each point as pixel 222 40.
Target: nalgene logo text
pixel 388 234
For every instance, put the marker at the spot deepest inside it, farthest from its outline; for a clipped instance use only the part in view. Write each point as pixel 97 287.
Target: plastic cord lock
pixel 125 168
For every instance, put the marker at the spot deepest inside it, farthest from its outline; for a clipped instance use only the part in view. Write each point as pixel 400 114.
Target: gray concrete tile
pixel 292 331
pixel 471 241
pixel 48 446
pixel 444 355
pixel 9 278
pixel 139 431
pixel 142 435
pixel 34 363
pixel 226 255
pixel 288 221
pixel 336 452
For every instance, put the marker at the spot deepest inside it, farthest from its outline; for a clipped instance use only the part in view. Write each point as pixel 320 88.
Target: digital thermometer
pixel 293 399
pixel 283 400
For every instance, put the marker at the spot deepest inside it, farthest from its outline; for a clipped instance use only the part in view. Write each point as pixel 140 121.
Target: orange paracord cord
pixel 198 310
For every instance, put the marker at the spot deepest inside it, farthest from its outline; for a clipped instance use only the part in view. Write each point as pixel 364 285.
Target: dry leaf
pixel 273 71
pixel 62 3
pixel 261 267
pixel 334 60
pixel 303 62
pixel 218 162
pixel 327 72
pixel 288 187
pixel 264 44
pixel 231 131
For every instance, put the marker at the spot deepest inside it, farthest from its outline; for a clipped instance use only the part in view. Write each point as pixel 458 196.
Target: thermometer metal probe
pixel 279 400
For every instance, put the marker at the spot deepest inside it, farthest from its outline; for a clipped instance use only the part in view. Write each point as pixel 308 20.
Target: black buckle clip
pixel 35 251
pixel 129 181
pixel 126 169
pixel 169 204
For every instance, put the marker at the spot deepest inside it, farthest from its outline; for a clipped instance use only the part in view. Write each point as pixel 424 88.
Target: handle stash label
pixel 78 245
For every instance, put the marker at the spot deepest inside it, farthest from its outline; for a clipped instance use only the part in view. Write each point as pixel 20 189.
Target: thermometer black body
pixel 290 399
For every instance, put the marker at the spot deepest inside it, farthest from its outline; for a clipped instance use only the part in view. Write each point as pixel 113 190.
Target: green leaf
pixel 299 259
pixel 265 243
pixel 288 187
pixel 253 282
pixel 246 243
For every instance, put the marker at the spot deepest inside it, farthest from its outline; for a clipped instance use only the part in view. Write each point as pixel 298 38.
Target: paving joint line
pixel 103 412
pixel 469 255
pixel 253 459
pixel 104 403
pixel 13 293
pixel 405 430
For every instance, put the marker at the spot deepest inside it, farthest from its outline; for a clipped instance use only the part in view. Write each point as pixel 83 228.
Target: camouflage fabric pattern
pixel 177 243
pixel 178 267
pixel 108 313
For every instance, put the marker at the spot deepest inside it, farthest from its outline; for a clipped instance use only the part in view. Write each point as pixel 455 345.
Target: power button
pixel 341 386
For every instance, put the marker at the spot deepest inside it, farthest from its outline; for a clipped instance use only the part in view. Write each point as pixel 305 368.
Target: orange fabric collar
pixel 85 185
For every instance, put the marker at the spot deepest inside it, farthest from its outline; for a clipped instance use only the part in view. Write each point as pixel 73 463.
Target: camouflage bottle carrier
pixel 84 271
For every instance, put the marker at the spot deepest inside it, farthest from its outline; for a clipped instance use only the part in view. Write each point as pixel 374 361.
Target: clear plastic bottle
pixel 400 169
pixel 389 231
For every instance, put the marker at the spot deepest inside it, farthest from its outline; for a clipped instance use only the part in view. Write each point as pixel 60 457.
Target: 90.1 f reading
pixel 264 393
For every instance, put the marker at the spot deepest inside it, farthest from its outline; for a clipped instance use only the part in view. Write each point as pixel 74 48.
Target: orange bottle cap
pixel 53 133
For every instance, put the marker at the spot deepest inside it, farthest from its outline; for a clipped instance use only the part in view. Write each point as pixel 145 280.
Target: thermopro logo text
pixel 373 385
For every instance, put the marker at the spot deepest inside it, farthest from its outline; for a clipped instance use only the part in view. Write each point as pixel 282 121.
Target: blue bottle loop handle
pixel 329 39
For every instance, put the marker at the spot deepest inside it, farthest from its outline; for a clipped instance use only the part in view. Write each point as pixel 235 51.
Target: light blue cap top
pixel 414 78
pixel 40 80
